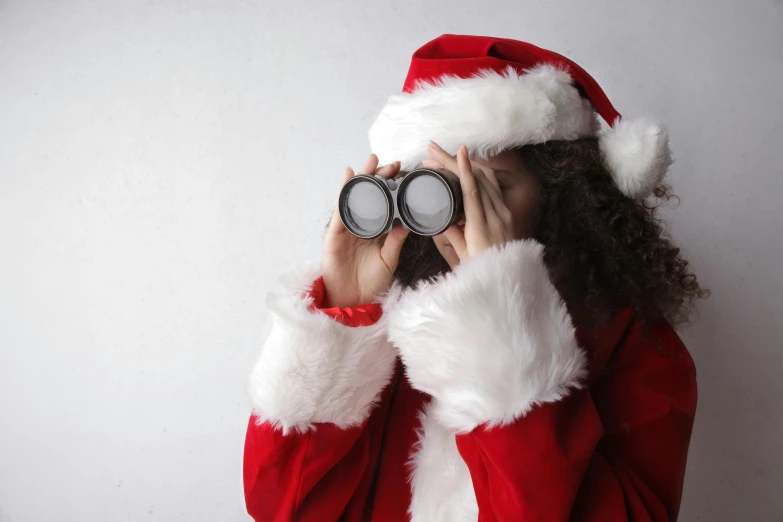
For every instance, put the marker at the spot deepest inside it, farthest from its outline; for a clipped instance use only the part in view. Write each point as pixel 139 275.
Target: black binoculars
pixel 426 201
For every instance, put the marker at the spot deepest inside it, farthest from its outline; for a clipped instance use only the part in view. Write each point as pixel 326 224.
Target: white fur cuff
pixel 314 369
pixel 489 340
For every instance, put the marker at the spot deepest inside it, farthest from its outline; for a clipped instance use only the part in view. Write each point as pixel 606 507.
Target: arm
pixel 493 344
pixel 314 392
pixel 647 401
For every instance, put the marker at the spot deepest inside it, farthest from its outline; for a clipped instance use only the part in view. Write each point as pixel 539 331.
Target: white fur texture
pixel 490 340
pixel 637 154
pixel 488 113
pixel 442 489
pixel 493 111
pixel 312 368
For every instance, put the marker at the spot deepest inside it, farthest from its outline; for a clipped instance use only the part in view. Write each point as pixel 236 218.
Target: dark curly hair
pixel 604 251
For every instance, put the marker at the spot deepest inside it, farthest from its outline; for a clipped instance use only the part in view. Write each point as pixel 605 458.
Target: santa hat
pixel 492 94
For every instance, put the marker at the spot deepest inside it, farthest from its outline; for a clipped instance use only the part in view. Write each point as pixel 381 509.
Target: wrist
pixel 349 315
pixel 333 298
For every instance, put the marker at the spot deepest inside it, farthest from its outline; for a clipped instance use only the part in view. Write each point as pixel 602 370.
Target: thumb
pixel 392 246
pixel 456 237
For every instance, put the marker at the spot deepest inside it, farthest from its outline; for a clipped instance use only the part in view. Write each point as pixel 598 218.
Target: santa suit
pixel 469 398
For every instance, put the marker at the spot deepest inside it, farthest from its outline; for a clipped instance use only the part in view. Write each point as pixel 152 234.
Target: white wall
pixel 160 165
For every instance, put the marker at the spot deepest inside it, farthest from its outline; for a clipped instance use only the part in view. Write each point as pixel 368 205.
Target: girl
pixel 520 366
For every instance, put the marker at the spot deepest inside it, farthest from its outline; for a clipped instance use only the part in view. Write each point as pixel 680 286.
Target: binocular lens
pixel 427 204
pixel 366 208
pixel 426 201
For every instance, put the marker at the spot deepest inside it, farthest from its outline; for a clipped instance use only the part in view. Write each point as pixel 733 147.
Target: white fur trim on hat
pixel 637 154
pixel 490 340
pixel 493 111
pixel 488 112
pixel 314 369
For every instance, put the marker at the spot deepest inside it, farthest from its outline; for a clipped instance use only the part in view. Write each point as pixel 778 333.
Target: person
pixel 523 365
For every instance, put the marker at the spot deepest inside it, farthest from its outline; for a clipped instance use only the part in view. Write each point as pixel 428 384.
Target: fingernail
pixel 435 145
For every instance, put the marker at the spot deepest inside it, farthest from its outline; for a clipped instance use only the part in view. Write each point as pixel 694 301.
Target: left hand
pixel 488 221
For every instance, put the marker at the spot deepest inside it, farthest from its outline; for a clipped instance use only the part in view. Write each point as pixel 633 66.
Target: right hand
pixel 357 270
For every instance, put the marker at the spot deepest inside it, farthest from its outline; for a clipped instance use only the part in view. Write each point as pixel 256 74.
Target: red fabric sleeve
pixel 313 476
pixel 363 315
pixel 616 452
pixel 310 477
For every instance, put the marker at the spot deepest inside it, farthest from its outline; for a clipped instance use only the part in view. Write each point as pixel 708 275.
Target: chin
pixel 420 259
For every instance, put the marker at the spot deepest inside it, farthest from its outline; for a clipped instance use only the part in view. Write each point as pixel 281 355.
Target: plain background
pixel 161 163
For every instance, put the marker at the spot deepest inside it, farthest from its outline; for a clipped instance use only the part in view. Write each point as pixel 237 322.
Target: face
pixel 520 194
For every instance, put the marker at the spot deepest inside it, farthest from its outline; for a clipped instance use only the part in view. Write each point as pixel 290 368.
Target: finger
pixel 499 204
pixel 490 174
pixel 388 171
pixel 471 193
pixel 336 225
pixel 491 203
pixel 495 195
pixel 486 199
pixel 456 238
pixel 444 158
pixel 392 246
pixel 432 164
pixel 370 165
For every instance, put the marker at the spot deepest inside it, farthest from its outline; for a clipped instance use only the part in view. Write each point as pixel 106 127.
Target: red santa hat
pixel 492 94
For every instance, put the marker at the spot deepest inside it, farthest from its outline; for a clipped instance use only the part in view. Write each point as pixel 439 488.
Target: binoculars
pixel 426 201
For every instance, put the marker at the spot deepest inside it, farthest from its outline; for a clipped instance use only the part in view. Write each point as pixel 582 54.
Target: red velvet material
pixel 614 451
pixel 364 315
pixel 462 55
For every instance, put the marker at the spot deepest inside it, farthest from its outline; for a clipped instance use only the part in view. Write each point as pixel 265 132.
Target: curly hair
pixel 605 251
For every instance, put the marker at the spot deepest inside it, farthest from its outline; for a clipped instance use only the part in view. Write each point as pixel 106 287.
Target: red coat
pixel 504 412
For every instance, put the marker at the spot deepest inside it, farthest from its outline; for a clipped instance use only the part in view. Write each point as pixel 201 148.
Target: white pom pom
pixel 637 154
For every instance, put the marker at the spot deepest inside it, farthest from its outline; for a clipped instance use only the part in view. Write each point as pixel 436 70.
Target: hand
pixel 357 270
pixel 488 221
